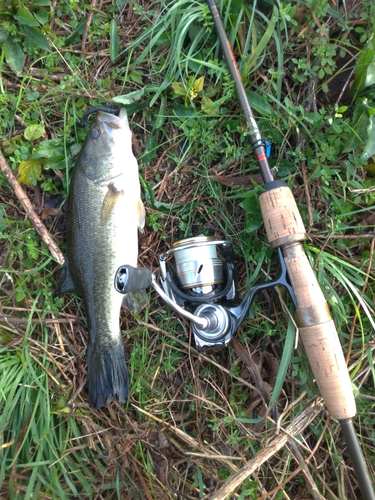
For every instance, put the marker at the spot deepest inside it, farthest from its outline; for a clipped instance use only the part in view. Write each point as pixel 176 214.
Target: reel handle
pixel 131 279
pixel 285 230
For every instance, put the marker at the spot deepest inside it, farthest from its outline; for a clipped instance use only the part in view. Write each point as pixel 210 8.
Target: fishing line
pixel 95 109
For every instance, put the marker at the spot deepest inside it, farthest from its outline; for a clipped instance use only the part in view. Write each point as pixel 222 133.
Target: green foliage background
pixel 309 70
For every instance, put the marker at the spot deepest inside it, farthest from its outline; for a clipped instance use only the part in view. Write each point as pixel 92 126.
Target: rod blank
pixel 285 230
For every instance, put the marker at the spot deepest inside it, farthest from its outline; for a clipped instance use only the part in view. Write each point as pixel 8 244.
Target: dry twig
pixel 87 25
pixel 278 442
pixel 34 218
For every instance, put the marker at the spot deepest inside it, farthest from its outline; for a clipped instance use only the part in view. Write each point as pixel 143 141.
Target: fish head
pixel 107 147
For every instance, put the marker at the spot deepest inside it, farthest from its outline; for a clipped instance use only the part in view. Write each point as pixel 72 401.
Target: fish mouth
pixel 113 122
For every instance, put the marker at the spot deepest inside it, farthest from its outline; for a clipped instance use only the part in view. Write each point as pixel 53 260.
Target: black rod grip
pixel 131 279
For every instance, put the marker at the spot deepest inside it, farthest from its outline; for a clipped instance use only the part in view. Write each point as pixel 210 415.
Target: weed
pixel 163 62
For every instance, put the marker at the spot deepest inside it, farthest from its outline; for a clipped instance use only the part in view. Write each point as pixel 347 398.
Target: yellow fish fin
pixel 109 201
pixel 141 214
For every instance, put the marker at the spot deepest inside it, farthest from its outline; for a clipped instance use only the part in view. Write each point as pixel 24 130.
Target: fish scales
pixel 104 213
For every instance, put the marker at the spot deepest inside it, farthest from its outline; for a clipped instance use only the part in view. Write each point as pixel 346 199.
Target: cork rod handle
pixel 317 330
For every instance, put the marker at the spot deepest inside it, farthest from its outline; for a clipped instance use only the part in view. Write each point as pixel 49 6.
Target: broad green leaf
pixel 136 95
pixel 48 149
pixel 181 110
pixel 36 37
pixel 10 145
pixel 303 210
pixel 342 109
pixel 253 222
pixel 208 106
pixel 150 149
pixel 4 33
pixel 33 132
pixel 370 74
pixel 198 84
pixel 42 3
pixel 129 98
pixel 260 104
pixel 136 76
pixel 42 16
pixel 178 88
pixel 58 162
pixel 369 149
pixel 29 172
pixel 250 204
pixel 160 117
pixel 114 41
pixel 360 124
pixel 76 35
pixel 366 58
pixel 20 295
pixel 25 18
pixel 14 55
pixel 5 338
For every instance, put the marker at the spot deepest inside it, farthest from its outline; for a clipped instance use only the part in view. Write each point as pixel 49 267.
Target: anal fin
pixel 65 283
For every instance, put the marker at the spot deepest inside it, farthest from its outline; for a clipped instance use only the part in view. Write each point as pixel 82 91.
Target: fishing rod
pixel 317 330
pixel 197 281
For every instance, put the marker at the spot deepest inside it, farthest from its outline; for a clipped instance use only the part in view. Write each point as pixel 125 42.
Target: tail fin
pixel 107 376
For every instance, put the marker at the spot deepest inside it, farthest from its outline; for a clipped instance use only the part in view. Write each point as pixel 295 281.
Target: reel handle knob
pixel 130 279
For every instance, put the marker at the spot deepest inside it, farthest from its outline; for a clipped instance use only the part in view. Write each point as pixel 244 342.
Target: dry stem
pixel 34 218
pixel 278 442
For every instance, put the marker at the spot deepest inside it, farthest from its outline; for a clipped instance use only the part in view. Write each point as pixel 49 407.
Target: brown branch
pixel 36 321
pixel 33 217
pixel 264 390
pixel 313 236
pixel 208 451
pixel 278 442
pixel 141 478
pixel 87 25
pixel 300 466
pixel 307 193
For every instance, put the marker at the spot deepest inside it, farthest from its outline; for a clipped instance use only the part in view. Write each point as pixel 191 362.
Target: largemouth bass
pixel 104 213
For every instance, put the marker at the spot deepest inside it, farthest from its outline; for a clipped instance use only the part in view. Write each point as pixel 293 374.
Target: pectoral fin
pixel 65 283
pixel 141 214
pixel 110 201
pixel 135 301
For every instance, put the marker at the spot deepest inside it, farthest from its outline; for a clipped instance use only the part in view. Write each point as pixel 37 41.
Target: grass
pixel 192 421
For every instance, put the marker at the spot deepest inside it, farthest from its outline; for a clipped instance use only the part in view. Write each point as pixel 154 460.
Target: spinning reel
pixel 197 274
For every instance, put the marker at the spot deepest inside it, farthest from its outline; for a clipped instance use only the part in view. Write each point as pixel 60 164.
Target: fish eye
pixel 94 133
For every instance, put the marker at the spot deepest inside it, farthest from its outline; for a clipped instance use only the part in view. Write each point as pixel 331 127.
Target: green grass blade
pixel 284 362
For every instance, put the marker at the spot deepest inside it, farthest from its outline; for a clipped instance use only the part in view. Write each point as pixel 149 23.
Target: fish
pixel 105 213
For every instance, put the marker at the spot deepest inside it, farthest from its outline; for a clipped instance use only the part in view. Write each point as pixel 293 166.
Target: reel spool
pixel 202 271
pixel 197 264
